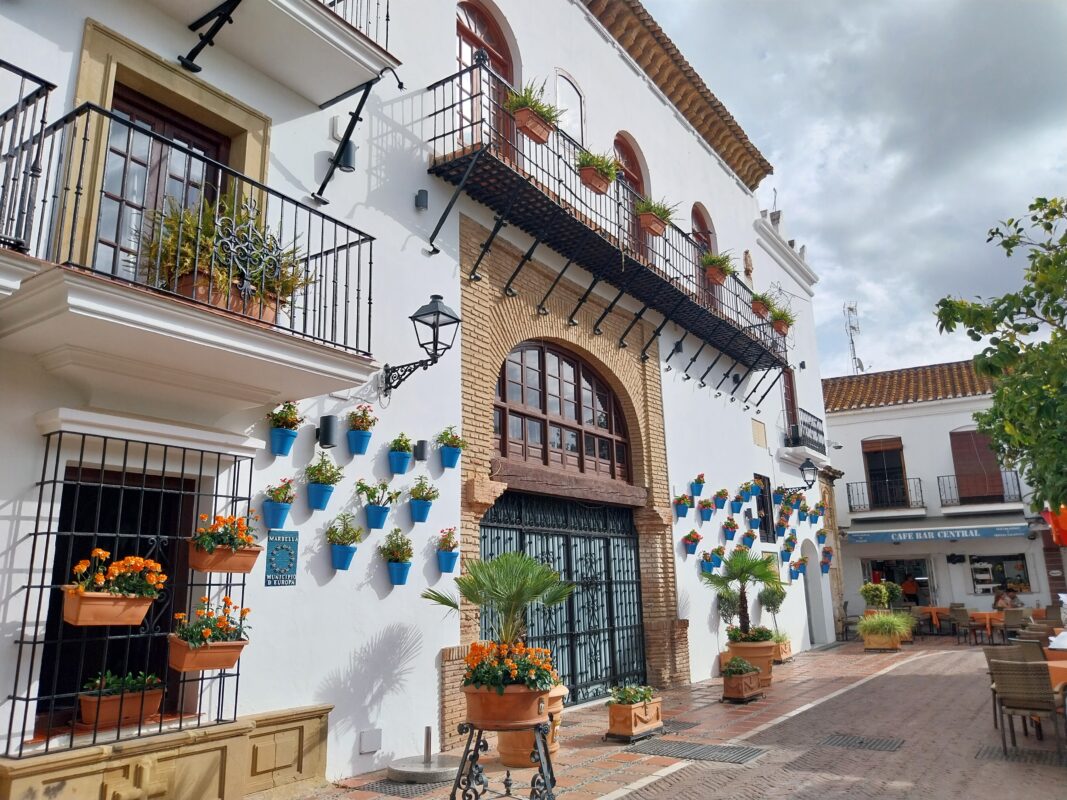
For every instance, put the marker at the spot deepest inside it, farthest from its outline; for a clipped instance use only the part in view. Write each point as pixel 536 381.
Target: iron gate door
pixel 596 637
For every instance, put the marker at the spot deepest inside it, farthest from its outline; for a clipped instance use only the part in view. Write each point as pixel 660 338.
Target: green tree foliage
pixel 741 569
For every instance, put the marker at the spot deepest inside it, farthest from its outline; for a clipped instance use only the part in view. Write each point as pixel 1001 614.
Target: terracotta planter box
pixel 223 559
pixel 876 642
pixel 629 722
pixel 213 655
pixel 715 275
pixel 515 709
pixel 515 746
pixel 907 638
pixel 758 654
pixel 533 126
pixel 780 327
pixel 783 651
pixel 741 688
pixel 760 309
pixel 101 608
pixel 197 287
pixel 135 708
pixel 594 180
pixel 651 224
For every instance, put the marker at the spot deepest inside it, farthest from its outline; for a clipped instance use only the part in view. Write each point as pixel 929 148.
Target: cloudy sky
pixel 900 131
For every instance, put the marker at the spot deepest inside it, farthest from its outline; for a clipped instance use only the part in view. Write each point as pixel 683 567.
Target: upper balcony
pixel 896 497
pixel 975 494
pixel 320 49
pixel 537 187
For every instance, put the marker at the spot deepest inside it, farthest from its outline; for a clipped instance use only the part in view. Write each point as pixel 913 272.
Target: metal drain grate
pixel 862 742
pixel 672 726
pixel 995 753
pixel 692 751
pixel 395 789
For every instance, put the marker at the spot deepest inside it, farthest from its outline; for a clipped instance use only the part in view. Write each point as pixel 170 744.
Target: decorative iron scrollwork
pixel 252 256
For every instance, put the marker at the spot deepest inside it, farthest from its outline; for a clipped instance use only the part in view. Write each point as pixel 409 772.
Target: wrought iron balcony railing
pixel 122 201
pixel 998 487
pixel 537 187
pixel 896 493
pixel 369 17
pixel 808 432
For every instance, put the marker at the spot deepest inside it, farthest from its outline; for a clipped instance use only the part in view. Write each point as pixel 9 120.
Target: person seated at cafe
pixel 1012 599
pixel 909 587
pixel 1000 595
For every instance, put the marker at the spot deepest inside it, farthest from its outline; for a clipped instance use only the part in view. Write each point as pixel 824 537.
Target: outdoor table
pixel 1057 672
pixel 1056 655
pixel 935 613
pixel 1037 613
pixel 987 617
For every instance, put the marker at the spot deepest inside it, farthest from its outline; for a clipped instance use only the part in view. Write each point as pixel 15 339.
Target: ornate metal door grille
pixel 596 637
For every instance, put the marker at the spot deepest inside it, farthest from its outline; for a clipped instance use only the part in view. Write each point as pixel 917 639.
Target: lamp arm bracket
pixel 392 377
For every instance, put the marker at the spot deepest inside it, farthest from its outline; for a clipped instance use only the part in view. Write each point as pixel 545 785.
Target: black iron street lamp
pixel 809 472
pixel 436 326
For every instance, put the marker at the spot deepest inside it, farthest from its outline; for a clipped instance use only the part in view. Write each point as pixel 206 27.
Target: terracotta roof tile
pixel 902 386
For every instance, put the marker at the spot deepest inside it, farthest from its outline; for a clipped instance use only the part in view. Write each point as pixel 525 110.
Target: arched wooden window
pixel 631 176
pixel 477 30
pixel 553 409
pixel 703 231
pixel 569 97
pixel 630 165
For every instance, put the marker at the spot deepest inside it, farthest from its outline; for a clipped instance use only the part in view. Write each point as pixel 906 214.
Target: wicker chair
pixel 1011 624
pixel 1000 654
pixel 961 619
pixel 1025 690
pixel 848 621
pixel 922 618
pixel 1030 650
pixel 1054 616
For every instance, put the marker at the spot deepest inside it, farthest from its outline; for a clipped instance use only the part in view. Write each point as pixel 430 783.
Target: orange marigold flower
pixel 204 599
pixel 203 517
pixel 151 578
pixel 206 633
pixel 80 567
pixel 98 579
pixel 245 612
pixel 200 612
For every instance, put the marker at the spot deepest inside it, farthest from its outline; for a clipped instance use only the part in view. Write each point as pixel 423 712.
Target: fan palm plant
pixel 741 569
pixel 503 589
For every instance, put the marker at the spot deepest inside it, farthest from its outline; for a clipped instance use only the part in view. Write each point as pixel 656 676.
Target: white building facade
pixel 596 372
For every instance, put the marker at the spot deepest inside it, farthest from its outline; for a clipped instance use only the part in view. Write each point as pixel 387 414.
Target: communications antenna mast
pixel 852 327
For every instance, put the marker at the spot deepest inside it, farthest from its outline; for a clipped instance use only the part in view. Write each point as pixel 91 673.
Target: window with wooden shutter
pixel 978 475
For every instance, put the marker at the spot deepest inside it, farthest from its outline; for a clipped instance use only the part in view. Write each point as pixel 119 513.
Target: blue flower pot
pixel 747 540
pixel 802 516
pixel 691 547
pixel 785 556
pixel 829 557
pixel 281 441
pixel 746 495
pixel 793 574
pixel 358 441
pixel 796 504
pixel 399 462
pixel 450 456
pixel 376 517
pixel 705 514
pixel 821 538
pixel 446 559
pixel 319 495
pixel 825 567
pixel 695 489
pixel 735 506
pixel 716 560
pixel 779 531
pixel 681 509
pixel 398 572
pixel 275 514
pixel 754 523
pixel 729 534
pixel 777 498
pixel 420 510
pixel 341 555
pixel 813 518
pixel 720 502
pixel 757 490
pixel 706 566
pixel 802 569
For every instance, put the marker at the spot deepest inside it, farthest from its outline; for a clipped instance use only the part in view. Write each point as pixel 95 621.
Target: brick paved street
pixel 932 695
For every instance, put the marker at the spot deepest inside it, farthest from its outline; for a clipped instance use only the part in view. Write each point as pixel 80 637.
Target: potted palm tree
pixel 597 171
pixel 361 424
pixel 782 319
pixel 654 215
pixel 740 681
pixel 498 697
pixel 533 116
pixel 740 570
pixel 284 421
pixel 343 536
pixel 634 713
pixel 761 304
pixel 717 267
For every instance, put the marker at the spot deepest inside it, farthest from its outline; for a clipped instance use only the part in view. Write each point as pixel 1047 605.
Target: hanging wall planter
pixel 821 538
pixel 736 505
pixel 275 514
pixel 319 495
pixel 102 608
pixel 785 556
pixel 450 457
pixel 420 510
pixel 213 655
pixel 400 454
pixel 451 445
pixel 341 555
pixel 681 506
pixel 533 126
pixel 359 441
pixel 322 476
pixel 696 486
pixel 748 540
pixel 423 493
pixel 360 423
pixel 396 549
pixel 721 497
pixel 754 523
pixel 376 516
pixel 118 710
pixel 281 441
pixel 597 171
pixel 223 559
pixel 283 422
pixel 398 572
pixel 825 567
pixel 729 528
pixel 446 560
pixel 691 540
pixel 119 594
pixel 706 512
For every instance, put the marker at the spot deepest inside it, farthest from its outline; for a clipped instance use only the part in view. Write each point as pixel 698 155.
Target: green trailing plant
pixel 532 96
pixel 882 625
pixel 770 599
pixel 401 444
pixel 504 588
pixel 343 530
pixel 631 695
pixel 362 419
pixel 740 570
pixel 779 314
pixel 107 683
pixel 449 438
pixel 606 165
pixel 738 666
pixel 723 262
pixel 287 416
pixel 377 494
pixel 660 208
pixel 874 595
pixel 424 490
pixel 396 547
pixel 324 471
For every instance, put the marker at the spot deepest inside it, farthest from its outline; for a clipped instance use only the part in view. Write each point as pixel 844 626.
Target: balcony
pixel 807 432
pixel 150 273
pixel 537 188
pixel 320 49
pixel 898 497
pixel 976 494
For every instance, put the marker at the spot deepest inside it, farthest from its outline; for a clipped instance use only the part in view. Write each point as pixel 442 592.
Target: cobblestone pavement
pixel 932 695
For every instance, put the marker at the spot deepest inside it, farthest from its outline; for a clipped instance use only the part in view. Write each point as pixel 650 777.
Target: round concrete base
pixel 416 770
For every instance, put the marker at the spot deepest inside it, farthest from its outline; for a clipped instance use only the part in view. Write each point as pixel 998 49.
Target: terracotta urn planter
pixel 741 688
pixel 515 746
pixel 533 125
pixel 715 275
pixel 102 608
pixel 213 655
pixel 637 721
pixel 780 327
pixel 758 654
pixel 783 651
pixel 878 642
pixel 760 309
pixel 651 224
pixel 515 709
pixel 104 711
pixel 223 559
pixel 592 179
pixel 197 287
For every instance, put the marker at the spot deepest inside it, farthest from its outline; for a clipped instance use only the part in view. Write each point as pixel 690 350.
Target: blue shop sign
pixel 937 534
pixel 281 557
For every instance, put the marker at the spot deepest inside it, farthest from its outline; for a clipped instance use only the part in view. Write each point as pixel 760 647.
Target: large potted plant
pixel 740 681
pixel 770 598
pixel 284 422
pixel 224 544
pixel 322 476
pixel 782 319
pixel 361 424
pixel 278 501
pixel 882 631
pixel 761 304
pixel 400 454
pixel 654 215
pixel 500 696
pixel 534 117
pixel 717 267
pixel 634 712
pixel 396 549
pixel 376 501
pixel 597 171
pixel 115 594
pixel 893 593
pixel 515 747
pixel 111 701
pixel 451 445
pixel 212 638
pixel 447 547
pixel 343 536
pixel 423 493
pixel 741 570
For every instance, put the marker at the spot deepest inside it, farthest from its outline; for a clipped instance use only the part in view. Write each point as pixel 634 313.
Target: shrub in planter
pixel 110 701
pixel 882 631
pixel 634 712
pixel 279 499
pixel 499 697
pixel 783 648
pixel 400 450
pixel 654 215
pixel 376 500
pixel 706 507
pixel 782 319
pixel 451 445
pixel 423 493
pixel 115 594
pixel 361 424
pixel 875 595
pixel 740 681
pixel 721 497
pixel 770 598
pixel 761 304
pixel 397 551
pixel 729 528
pixel 284 421
pixel 597 171
pixel 696 486
pixel 224 544
pixel 682 504
pixel 691 540
pixel 447 550
pixel 533 116
pixel 737 504
pixel 212 638
pixel 894 594
pixel 717 267
pixel 322 476
pixel 343 536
